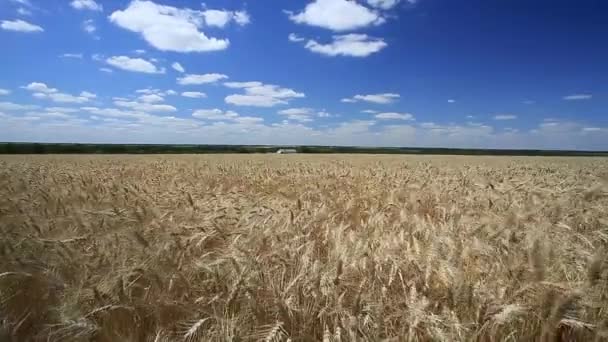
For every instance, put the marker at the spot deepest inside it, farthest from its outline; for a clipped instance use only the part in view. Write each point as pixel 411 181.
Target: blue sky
pixel 450 73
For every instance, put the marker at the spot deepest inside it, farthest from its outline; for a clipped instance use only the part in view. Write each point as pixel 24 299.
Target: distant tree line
pixel 46 148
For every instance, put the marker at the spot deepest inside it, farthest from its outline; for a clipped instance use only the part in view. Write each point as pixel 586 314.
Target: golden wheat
pixel 303 248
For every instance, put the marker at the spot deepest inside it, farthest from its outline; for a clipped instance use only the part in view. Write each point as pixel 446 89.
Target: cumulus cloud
pixel 301 114
pixel 190 79
pixel 86 5
pixel 354 45
pixel 39 87
pixel 155 91
pixel 505 117
pixel 576 97
pixel 42 91
pixel 62 109
pixel 394 116
pixel 4 91
pixel 219 115
pixel 383 4
pixel 214 114
pixel 151 98
pixel 451 101
pixel 145 107
pixel 337 15
pixel 169 28
pixel 373 98
pixel 241 17
pixel 108 70
pixel 88 95
pixel 369 111
pixel 258 94
pixel 194 94
pixel 112 125
pixel 62 97
pixel 177 67
pixel 10 106
pixel 134 64
pixel 221 18
pixel 20 26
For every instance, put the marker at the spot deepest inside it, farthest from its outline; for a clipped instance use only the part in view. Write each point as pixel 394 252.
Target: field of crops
pixel 303 248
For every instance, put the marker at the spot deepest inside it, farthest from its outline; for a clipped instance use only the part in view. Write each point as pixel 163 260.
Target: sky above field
pixel 449 73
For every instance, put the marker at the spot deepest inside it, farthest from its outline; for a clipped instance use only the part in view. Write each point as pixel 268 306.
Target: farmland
pixel 303 248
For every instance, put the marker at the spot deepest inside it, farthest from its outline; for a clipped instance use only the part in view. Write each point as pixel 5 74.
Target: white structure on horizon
pixel 286 150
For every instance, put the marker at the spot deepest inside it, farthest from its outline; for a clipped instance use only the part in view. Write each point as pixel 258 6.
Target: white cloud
pixel 258 94
pixel 238 85
pixel 168 28
pixel 394 116
pixel 302 114
pixel 72 55
pixel 151 98
pixel 20 26
pixel 214 114
pixel 385 4
pixel 112 125
pixel 220 18
pixel 337 15
pixel 241 17
pixel 177 67
pixel 200 79
pixel 4 91
pixel 578 97
pixel 39 87
pixel 151 91
pixel 354 45
pixel 10 106
pixel 133 64
pixel 145 107
pixel 140 51
pixel 42 91
pixel 451 101
pixel 108 70
pixel 505 117
pixel 296 111
pixel 62 97
pixel 62 109
pixel 374 98
pixel 295 38
pixel 231 116
pixel 323 114
pixel 86 5
pixel 369 111
pixel 194 94
pixel 88 95
pixel 89 26
pixel 113 112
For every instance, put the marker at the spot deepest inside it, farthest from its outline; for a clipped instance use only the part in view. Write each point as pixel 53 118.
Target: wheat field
pixel 303 248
